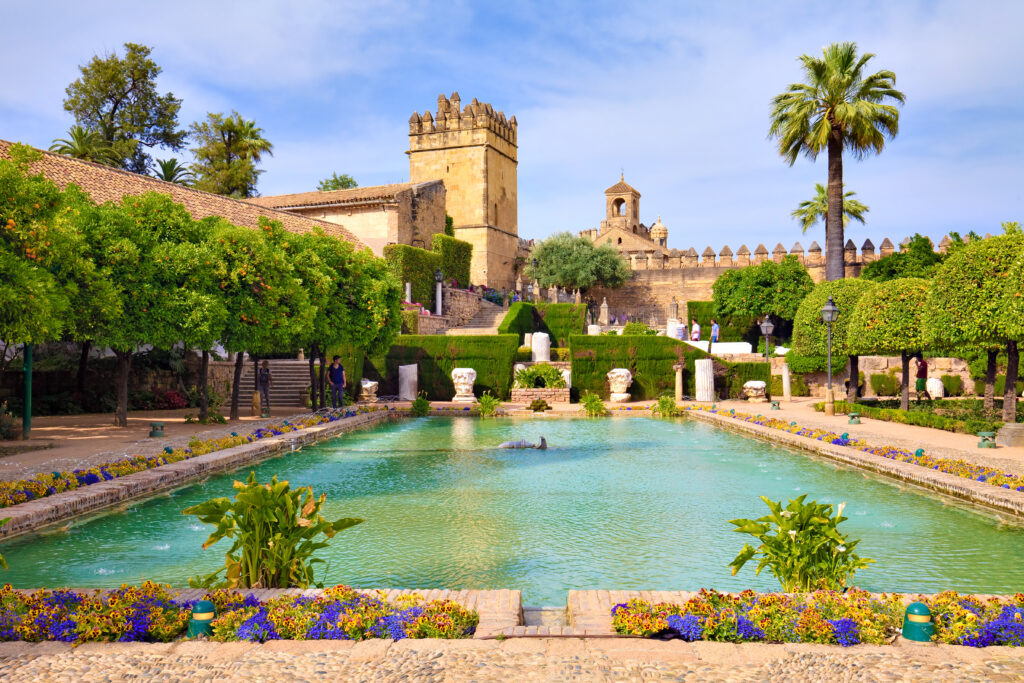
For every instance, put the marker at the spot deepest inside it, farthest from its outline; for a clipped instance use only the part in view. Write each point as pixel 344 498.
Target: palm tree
pixel 173 172
pixel 86 144
pixel 249 140
pixel 838 106
pixel 811 211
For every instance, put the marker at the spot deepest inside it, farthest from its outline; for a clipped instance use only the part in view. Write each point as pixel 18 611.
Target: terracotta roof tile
pixel 105 184
pixel 356 195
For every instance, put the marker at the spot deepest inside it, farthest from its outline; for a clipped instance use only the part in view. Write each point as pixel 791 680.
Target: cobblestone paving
pixel 518 660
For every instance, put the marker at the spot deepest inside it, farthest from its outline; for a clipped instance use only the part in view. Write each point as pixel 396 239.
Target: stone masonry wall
pixel 433 324
pixel 531 395
pixel 459 305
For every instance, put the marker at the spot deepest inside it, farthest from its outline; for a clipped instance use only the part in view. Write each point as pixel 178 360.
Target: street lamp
pixel 534 289
pixel 829 313
pixel 438 296
pixel 767 327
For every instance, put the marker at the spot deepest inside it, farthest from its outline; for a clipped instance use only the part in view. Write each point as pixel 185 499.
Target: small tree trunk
pixel 834 261
pixel 204 396
pixel 323 375
pixel 851 390
pixel 905 381
pixel 124 366
pixel 1010 395
pixel 313 393
pixel 83 362
pixel 990 382
pixel 235 384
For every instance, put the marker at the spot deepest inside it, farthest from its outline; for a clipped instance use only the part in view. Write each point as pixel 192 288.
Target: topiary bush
pixel 954 385
pixel 557 320
pixel 417 266
pixel 410 322
pixel 739 374
pixel 885 384
pixel 455 257
pixel 592 405
pixel 797 385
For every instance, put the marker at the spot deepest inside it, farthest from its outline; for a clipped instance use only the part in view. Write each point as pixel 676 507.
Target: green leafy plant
pixel 8 424
pixel 592 404
pixel 885 384
pixel 635 328
pixel 274 530
pixel 420 405
pixel 954 385
pixel 539 405
pixel 540 375
pixel 488 404
pixel 801 545
pixel 665 407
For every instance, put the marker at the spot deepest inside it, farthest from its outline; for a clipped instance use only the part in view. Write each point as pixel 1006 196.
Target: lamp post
pixel 767 327
pixel 829 313
pixel 535 290
pixel 438 276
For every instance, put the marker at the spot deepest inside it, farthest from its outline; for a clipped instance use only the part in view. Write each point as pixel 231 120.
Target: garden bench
pixel 988 440
pixel 854 419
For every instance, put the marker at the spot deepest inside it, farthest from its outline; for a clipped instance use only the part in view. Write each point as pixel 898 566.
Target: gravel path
pixel 519 660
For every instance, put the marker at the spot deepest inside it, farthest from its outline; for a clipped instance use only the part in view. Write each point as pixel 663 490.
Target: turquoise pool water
pixel 617 503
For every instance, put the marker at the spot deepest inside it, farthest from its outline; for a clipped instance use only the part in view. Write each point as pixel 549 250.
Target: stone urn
pixel 463 379
pixel 368 391
pixel 755 391
pixel 619 380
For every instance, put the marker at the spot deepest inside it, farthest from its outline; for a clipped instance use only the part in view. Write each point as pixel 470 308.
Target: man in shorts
pixel 921 385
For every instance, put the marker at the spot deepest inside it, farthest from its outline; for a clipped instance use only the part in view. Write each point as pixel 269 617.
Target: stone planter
pixel 548 394
pixel 619 380
pixel 463 379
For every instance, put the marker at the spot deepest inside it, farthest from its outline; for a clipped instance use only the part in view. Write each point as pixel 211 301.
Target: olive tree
pixel 887 320
pixel 810 333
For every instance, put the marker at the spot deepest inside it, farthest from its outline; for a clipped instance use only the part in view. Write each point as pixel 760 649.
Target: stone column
pixel 541 346
pixel 602 318
pixel 787 384
pixel 438 298
pixel 673 309
pixel 678 367
pixel 577 298
pixel 408 292
pixel 705 380
pixel 408 381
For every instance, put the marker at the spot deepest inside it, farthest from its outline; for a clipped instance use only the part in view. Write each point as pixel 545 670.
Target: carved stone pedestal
pixel 619 380
pixel 463 379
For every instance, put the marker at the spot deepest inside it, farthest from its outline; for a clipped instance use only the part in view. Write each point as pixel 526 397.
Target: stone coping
pixel 1006 501
pixel 33 515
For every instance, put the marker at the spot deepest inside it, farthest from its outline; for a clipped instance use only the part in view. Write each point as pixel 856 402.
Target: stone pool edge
pixel 34 515
pixel 960 488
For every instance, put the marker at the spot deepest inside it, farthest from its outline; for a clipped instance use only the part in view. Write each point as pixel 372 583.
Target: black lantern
pixel 829 314
pixel 767 327
pixel 438 275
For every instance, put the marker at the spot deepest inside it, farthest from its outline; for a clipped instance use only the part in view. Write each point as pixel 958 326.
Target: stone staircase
pixel 290 382
pixel 485 321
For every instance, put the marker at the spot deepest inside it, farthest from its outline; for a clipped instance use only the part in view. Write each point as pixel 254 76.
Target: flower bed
pixel 50 483
pixel 150 613
pixel 916 417
pixel 959 468
pixel 826 617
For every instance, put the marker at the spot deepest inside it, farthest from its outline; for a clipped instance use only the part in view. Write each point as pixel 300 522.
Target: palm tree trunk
pixel 905 381
pixel 851 390
pixel 124 366
pixel 834 268
pixel 1010 395
pixel 204 396
pixel 313 393
pixel 83 362
pixel 990 382
pixel 323 375
pixel 239 362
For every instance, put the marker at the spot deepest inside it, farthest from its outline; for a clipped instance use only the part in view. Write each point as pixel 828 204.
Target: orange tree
pixel 972 301
pixel 887 320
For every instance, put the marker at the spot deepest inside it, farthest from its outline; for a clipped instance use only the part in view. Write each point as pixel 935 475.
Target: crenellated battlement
pixel 451 116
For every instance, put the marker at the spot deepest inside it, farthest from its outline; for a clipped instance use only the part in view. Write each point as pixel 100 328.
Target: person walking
pixel 694 331
pixel 922 377
pixel 264 380
pixel 336 378
pixel 714 331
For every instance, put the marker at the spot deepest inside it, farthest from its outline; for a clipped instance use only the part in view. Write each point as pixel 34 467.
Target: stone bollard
pixel 678 367
pixel 787 384
pixel 602 317
pixel 541 346
pixel 593 330
pixel 705 379
pixel 408 382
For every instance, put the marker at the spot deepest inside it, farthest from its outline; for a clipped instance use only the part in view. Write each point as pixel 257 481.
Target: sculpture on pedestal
pixel 368 391
pixel 756 391
pixel 619 380
pixel 463 379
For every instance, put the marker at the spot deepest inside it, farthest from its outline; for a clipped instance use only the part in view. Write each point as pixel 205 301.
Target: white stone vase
pixel 619 380
pixel 368 391
pixel 463 379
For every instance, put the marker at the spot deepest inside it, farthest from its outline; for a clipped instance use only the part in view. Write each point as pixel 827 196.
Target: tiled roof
pixel 105 184
pixel 356 195
pixel 621 187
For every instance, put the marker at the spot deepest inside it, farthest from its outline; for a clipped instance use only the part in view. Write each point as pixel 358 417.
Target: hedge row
pixel 492 356
pixel 558 320
pixel 455 258
pixel 738 374
pixel 737 328
pixel 415 265
pixel 910 417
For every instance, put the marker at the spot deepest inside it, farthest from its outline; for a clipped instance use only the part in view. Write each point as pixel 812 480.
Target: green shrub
pixel 455 256
pixel 557 320
pixel 592 404
pixel 635 328
pixel 492 356
pixel 918 418
pixel 488 404
pixel 540 375
pixel 415 265
pixel 797 385
pixel 665 407
pixel 953 384
pixel 734 329
pixel 741 373
pixel 524 354
pixel 9 428
pixel 885 384
pixel 999 388
pixel 518 320
pixel 410 322
pixel 420 405
pixel 560 354
pixel 806 364
pixel 539 405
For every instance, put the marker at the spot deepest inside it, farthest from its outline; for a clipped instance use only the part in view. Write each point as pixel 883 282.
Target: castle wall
pixel 375 224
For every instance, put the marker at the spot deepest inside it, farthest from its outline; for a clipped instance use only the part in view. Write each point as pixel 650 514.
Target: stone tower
pixel 622 203
pixel 474 151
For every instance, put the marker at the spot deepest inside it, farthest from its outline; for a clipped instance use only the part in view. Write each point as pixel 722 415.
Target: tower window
pixel 495 212
pixel 620 241
pixel 619 207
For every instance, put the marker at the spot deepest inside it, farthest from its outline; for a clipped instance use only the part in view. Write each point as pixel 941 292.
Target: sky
pixel 675 95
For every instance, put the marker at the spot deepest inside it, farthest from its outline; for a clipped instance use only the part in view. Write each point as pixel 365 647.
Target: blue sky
pixel 677 94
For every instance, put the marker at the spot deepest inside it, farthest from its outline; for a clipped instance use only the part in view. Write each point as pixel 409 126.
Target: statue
pixel 755 391
pixel 602 318
pixel 619 380
pixel 463 379
pixel 542 446
pixel 368 391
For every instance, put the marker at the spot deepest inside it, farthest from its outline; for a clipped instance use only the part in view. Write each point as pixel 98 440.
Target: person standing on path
pixel 694 331
pixel 337 379
pixel 922 378
pixel 263 381
pixel 714 331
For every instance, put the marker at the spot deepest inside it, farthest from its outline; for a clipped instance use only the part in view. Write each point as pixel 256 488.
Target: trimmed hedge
pixel 455 258
pixel 738 374
pixel 885 384
pixel 736 328
pixel 954 384
pixel 560 321
pixel 910 417
pixel 999 389
pixel 492 356
pixel 797 385
pixel 352 359
pixel 415 265
pixel 410 322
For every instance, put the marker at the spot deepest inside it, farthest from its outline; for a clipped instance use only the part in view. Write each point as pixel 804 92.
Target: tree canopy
pixel 570 262
pixel 768 288
pixel 173 171
pixel 810 332
pixel 88 145
pixel 117 98
pixel 337 182
pixel 228 150
pixel 838 106
pixel 917 259
pixel 815 209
